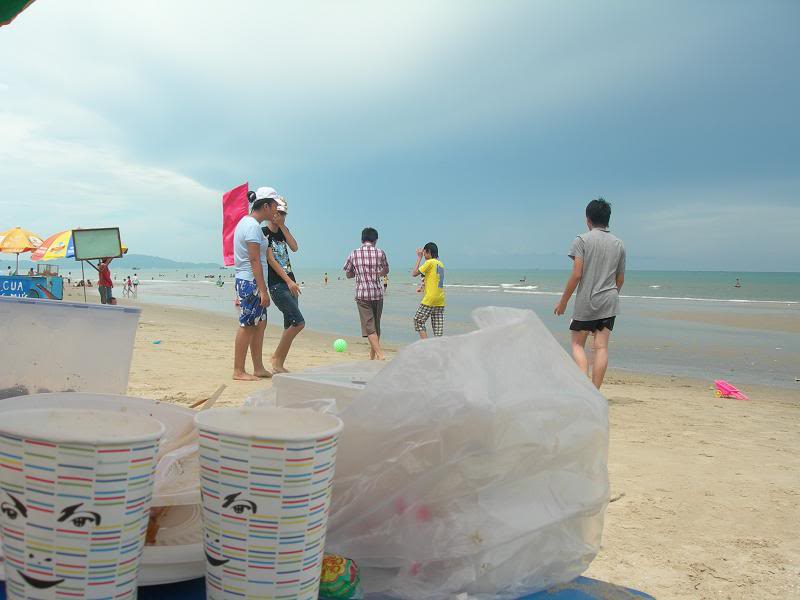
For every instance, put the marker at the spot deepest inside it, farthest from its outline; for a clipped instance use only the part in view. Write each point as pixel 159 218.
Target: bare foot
pixel 244 377
pixel 262 374
pixel 276 368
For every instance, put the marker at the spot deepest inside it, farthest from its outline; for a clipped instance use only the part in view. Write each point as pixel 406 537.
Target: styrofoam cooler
pixel 52 346
pixel 343 382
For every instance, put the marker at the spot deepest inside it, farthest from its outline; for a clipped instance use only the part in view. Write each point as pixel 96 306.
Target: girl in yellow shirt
pixel 432 305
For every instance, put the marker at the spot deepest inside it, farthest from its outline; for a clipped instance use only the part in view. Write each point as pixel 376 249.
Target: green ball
pixel 340 345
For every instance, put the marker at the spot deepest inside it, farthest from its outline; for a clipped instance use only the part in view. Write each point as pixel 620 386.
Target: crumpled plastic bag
pixel 474 464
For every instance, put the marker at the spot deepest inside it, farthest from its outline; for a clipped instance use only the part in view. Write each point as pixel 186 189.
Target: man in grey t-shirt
pixel 598 272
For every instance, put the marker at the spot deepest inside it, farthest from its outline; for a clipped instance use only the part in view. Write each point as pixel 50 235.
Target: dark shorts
pixel 105 294
pixel 250 309
pixel 596 325
pixel 369 311
pixel 287 303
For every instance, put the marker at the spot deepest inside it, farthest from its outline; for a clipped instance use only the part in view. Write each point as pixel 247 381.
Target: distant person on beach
pixel 432 305
pixel 738 283
pixel 282 284
pixel 250 261
pixel 598 272
pixel 385 282
pixel 326 279
pixel 367 264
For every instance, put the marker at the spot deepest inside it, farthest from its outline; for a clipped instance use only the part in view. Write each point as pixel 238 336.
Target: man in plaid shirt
pixel 368 264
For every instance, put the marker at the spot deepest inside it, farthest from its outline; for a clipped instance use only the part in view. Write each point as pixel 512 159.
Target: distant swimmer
pixel 524 279
pixel 738 283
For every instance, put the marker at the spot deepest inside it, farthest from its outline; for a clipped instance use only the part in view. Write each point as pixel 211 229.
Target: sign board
pixel 14 285
pixel 49 288
pixel 91 244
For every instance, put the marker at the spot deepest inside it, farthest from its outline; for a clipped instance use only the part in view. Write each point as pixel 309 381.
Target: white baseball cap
pixel 281 204
pixel 266 192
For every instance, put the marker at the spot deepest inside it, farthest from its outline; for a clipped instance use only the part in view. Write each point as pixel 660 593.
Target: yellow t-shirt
pixel 433 270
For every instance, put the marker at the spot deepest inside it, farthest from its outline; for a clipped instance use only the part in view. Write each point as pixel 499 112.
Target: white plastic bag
pixel 473 464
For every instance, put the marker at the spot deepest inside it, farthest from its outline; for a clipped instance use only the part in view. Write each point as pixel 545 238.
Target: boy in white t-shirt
pixel 250 260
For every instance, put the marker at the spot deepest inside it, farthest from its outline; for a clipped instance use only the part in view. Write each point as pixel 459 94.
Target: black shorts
pixel 596 325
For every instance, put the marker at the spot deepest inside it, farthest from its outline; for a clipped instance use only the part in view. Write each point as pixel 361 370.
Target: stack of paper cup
pixel 75 491
pixel 266 478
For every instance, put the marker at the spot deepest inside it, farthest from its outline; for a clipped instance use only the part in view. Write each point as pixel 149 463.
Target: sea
pixel 678 323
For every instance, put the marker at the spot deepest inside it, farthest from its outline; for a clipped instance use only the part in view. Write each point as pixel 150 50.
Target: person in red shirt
pixel 104 282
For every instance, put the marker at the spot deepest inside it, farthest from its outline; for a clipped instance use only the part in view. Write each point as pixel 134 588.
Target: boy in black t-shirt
pixel 283 288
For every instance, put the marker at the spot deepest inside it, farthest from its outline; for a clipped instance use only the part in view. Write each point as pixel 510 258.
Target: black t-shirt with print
pixel 280 250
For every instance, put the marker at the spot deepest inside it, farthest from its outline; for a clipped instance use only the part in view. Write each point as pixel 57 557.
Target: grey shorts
pixel 369 311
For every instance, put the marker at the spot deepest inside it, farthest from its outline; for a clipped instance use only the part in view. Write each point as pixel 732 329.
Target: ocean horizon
pixel 682 323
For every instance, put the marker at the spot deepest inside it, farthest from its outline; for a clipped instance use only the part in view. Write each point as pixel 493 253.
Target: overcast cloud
pixel 485 126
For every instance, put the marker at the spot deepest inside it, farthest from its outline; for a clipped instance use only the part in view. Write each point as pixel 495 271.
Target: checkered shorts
pixel 436 315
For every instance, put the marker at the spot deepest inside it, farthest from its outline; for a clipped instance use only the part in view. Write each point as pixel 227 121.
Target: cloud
pixel 57 184
pixel 480 125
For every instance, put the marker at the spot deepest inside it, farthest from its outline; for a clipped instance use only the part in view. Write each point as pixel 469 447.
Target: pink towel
pixel 234 207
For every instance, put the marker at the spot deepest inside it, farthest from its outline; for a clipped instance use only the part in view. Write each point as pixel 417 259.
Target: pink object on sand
pixel 234 207
pixel 727 390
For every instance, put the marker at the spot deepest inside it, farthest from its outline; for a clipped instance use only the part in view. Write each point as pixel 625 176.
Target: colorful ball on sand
pixel 340 345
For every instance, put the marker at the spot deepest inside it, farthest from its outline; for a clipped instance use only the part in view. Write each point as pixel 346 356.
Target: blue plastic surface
pixel 582 588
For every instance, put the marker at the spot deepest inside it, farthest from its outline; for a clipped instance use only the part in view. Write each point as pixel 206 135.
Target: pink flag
pixel 234 207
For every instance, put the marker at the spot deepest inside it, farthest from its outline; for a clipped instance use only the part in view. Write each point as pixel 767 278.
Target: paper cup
pixel 75 490
pixel 266 477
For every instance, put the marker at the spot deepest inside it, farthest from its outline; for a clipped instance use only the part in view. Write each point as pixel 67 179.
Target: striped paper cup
pixel 266 478
pixel 75 490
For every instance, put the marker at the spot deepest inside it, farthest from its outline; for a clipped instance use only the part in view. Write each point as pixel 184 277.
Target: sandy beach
pixel 705 494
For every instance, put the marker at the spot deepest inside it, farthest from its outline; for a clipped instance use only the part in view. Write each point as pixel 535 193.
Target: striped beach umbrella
pixel 18 240
pixel 58 245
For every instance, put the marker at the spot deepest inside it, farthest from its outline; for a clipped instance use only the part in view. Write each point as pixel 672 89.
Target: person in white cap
pixel 250 261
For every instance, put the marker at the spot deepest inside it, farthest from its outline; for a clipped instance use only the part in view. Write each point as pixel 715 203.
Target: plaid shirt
pixel 368 264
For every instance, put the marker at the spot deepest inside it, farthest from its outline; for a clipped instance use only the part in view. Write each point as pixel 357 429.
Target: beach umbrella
pixel 9 9
pixel 58 245
pixel 18 240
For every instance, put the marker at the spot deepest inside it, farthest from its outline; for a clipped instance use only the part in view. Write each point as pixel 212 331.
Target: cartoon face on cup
pixel 266 477
pixel 75 493
pixel 235 506
pixel 72 523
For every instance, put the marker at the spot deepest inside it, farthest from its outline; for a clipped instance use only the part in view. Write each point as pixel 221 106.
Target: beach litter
pixel 728 390
pixel 473 464
pixel 156 342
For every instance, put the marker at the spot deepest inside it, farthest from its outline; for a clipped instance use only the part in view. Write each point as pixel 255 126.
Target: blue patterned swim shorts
pixel 250 309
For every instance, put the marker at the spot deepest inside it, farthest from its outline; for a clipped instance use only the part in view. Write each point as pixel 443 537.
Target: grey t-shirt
pixel 603 257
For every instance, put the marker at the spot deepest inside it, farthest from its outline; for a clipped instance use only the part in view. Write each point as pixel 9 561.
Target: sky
pixel 483 126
